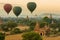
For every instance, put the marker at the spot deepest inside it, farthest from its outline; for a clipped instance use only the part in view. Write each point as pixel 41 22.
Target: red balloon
pixel 7 8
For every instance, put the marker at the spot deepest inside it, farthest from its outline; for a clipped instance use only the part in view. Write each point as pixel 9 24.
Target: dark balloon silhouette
pixel 17 10
pixel 7 8
pixel 31 6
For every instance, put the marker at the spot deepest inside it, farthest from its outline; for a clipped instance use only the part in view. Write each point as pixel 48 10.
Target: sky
pixel 43 6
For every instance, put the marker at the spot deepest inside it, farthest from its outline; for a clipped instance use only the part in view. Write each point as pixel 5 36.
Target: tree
pixel 32 28
pixel 11 24
pixel 4 27
pixel 53 26
pixel 2 36
pixel 46 19
pixel 32 25
pixel 8 26
pixel 16 31
pixel 31 36
pixel 43 24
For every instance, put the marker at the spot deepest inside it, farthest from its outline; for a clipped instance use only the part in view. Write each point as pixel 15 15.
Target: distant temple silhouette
pixel 52 22
pixel 27 17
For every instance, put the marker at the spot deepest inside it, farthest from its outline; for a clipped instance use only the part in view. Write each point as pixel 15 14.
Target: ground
pixel 14 37
pixel 18 37
pixel 52 38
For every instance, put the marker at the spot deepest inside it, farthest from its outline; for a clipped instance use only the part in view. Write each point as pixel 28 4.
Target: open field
pixel 52 38
pixel 14 37
pixel 18 37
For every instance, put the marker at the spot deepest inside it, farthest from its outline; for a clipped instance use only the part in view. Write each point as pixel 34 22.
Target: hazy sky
pixel 47 6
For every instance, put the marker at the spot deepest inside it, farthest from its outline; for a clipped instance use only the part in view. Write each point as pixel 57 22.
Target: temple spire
pixel 37 27
pixel 27 17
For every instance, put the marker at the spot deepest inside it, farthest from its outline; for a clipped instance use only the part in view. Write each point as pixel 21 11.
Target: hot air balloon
pixel 7 8
pixel 31 6
pixel 17 10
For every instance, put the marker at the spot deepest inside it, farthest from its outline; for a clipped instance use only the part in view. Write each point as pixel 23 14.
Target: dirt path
pixel 52 38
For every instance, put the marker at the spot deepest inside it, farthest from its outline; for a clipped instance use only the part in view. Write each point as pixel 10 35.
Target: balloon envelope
pixel 31 6
pixel 17 10
pixel 7 8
